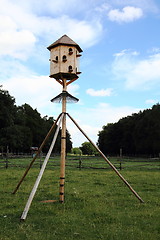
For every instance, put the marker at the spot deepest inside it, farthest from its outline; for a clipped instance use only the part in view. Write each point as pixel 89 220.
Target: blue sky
pixel 120 63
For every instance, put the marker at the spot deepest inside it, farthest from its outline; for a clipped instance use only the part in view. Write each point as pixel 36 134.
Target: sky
pixel 120 63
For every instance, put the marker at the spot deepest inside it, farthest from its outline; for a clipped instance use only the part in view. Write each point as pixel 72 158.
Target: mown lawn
pixel 97 205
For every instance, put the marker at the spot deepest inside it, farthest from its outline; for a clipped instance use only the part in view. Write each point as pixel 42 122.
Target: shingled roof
pixel 64 40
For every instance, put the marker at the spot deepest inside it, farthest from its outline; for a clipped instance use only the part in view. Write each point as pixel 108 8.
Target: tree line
pixel 138 134
pixel 22 127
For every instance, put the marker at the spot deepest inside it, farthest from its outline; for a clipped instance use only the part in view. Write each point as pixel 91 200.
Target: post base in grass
pixel 22 220
pixel 49 201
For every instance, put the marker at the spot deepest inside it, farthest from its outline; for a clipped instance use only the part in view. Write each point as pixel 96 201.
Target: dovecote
pixel 64 58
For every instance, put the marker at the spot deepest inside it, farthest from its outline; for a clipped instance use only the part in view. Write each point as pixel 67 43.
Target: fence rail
pixel 82 162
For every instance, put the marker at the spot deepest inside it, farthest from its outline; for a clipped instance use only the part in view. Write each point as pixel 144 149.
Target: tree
pixel 76 151
pixel 136 134
pixel 88 149
pixel 7 116
pixel 22 127
pixel 17 138
pixel 68 142
pixel 7 109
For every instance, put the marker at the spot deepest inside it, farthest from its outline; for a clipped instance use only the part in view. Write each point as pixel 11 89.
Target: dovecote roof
pixel 66 41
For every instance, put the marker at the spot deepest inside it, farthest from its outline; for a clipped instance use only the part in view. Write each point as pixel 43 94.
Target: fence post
pixel 80 162
pixel 7 154
pixel 120 162
pixel 40 159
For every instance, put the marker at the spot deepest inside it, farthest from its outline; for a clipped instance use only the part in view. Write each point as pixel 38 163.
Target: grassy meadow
pixel 98 205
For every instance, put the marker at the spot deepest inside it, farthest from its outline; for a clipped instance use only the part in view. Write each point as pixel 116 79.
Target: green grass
pixel 97 205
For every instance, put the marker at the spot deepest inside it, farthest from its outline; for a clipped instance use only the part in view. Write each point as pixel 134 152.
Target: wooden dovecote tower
pixel 64 55
pixel 64 68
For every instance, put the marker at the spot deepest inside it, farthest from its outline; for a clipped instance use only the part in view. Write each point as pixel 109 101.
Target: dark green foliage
pixel 7 109
pixel 87 149
pixel 68 142
pixel 76 151
pixel 137 134
pixel 23 127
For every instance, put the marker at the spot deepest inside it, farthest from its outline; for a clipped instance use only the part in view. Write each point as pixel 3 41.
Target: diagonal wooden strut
pixel 74 79
pixel 26 209
pixel 106 159
pixel 38 152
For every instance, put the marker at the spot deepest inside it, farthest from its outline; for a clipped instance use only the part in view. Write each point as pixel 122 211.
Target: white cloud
pixel 21 27
pixel 128 14
pixel 103 8
pixel 146 5
pixel 119 54
pixel 110 113
pixel 12 67
pixel 57 7
pixel 137 74
pixel 6 23
pixel 37 91
pixel 17 44
pixel 34 90
pixel 155 50
pixel 76 135
pixel 86 33
pixel 151 101
pixel 93 116
pixel 73 89
pixel 14 42
pixel 145 73
pixel 100 93
pixel 124 52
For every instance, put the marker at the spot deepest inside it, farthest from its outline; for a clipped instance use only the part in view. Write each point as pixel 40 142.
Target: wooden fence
pixel 83 162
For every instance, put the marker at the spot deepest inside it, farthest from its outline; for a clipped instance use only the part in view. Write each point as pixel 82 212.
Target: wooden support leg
pixel 25 212
pixel 106 159
pixel 38 152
